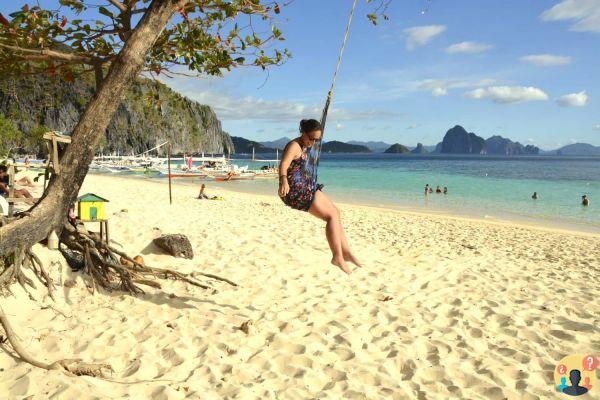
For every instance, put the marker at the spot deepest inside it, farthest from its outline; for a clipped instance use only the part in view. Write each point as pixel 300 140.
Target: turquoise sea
pixel 478 186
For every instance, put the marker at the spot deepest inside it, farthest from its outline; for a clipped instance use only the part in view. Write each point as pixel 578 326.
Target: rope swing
pixel 312 163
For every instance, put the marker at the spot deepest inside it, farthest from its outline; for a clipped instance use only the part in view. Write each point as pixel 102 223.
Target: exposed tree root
pixel 102 267
pixel 71 366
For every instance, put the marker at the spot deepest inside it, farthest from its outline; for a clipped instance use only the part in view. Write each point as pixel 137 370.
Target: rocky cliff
pixel 458 140
pixel 150 114
pixel 499 145
pixel 420 149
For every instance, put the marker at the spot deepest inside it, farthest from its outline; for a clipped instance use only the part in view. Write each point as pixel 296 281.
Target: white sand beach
pixel 445 307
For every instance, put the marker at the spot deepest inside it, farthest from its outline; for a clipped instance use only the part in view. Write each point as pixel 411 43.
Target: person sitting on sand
pixel 299 191
pixel 585 201
pixel 24 181
pixel 18 193
pixel 438 189
pixel 534 196
pixel 202 195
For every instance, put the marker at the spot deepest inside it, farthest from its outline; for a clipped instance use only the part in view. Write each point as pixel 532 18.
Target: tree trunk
pixel 52 209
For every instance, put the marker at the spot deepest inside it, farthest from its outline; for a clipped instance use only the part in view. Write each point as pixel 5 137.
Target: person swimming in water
pixel 585 201
pixel 299 191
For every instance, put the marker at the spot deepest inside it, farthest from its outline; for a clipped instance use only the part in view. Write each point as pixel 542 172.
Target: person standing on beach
pixel 299 191
pixel 426 189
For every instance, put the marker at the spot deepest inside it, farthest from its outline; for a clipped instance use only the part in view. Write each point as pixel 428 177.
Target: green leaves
pixel 104 11
pixel 10 136
pixel 206 36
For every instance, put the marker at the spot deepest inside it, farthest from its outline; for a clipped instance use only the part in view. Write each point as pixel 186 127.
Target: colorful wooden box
pixel 91 207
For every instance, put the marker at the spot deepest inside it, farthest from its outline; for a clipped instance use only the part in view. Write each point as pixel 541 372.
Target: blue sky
pixel 527 70
pixel 495 67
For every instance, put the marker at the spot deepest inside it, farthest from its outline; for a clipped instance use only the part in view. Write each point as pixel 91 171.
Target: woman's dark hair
pixel 309 125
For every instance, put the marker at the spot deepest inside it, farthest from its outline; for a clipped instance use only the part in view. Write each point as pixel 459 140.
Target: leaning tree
pixel 117 42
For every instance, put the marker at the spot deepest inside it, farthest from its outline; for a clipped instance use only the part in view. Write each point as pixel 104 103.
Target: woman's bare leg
pixel 324 209
pixel 24 194
pixel 25 181
pixel 346 252
pixel 348 255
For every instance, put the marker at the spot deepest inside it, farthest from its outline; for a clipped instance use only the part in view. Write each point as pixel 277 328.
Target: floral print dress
pixel 302 187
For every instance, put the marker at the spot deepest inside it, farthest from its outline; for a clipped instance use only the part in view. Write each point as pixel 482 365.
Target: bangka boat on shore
pixel 235 176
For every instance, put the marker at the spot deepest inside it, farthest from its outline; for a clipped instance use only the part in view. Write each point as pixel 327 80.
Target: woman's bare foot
pixel 350 257
pixel 341 264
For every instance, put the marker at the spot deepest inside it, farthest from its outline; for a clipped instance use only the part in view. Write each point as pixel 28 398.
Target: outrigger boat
pixel 233 176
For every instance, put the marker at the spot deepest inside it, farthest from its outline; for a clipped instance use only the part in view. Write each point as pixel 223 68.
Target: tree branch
pixel 120 6
pixel 46 54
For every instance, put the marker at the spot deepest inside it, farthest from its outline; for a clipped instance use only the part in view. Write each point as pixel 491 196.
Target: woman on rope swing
pixel 298 190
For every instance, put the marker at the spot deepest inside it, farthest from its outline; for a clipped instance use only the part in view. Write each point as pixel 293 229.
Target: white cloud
pixel 597 127
pixel 339 127
pixel 421 35
pixel 412 126
pixel 231 107
pixel 573 99
pixel 467 47
pixel 508 94
pixel 547 60
pixel 439 92
pixel 584 13
pixel 440 87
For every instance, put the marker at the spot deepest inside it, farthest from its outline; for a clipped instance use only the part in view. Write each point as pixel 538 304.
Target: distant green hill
pixel 377 147
pixel 245 146
pixel 277 144
pixel 397 148
pixel 579 149
pixel 340 147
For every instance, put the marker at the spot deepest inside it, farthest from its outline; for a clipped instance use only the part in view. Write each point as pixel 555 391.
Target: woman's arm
pixel 291 151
